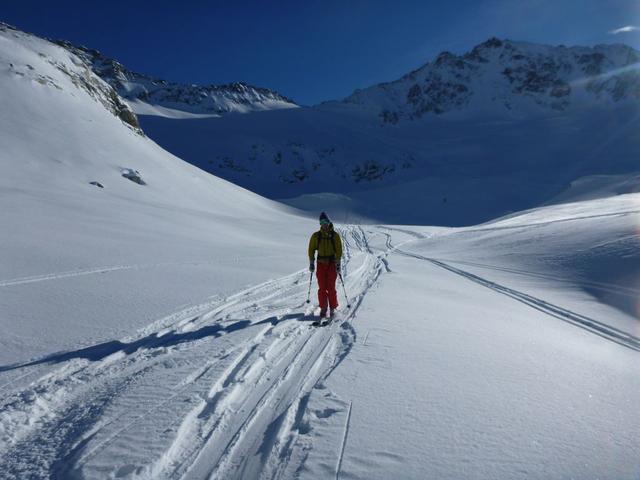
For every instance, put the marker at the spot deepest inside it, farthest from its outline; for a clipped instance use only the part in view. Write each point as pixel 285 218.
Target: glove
pixel 312 267
pixel 338 267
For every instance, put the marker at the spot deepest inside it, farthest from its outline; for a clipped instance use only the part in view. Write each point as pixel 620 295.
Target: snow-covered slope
pixel 72 244
pixel 429 171
pixel 173 99
pixel 157 327
pixel 527 122
pixel 599 186
pixel 504 350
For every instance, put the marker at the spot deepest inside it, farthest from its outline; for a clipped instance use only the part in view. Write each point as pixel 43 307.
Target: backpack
pixel 333 244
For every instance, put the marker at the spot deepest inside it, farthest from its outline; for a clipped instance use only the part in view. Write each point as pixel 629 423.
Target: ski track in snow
pixel 343 444
pixel 108 269
pixel 601 286
pixel 217 390
pixel 586 323
pixel 61 275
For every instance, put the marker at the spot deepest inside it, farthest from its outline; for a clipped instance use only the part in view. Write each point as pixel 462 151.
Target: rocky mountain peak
pixel 504 77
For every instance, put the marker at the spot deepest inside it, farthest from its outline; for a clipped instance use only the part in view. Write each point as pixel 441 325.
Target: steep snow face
pixel 508 78
pixel 144 91
pixel 102 230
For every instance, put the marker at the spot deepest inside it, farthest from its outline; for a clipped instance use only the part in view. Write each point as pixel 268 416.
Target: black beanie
pixel 323 216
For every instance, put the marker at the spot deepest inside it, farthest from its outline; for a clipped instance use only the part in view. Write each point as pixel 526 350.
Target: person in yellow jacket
pixel 328 244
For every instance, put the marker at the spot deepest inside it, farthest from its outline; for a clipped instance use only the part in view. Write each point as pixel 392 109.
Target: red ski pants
pixel 326 274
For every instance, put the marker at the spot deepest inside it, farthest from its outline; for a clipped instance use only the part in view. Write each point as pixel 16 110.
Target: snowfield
pixel 161 331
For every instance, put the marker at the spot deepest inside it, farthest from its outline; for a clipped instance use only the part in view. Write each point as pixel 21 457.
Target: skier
pixel 329 246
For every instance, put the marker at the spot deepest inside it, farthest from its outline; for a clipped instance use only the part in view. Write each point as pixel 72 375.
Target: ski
pixel 324 321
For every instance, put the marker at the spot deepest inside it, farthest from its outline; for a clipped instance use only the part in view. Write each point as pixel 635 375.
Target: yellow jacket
pixel 329 251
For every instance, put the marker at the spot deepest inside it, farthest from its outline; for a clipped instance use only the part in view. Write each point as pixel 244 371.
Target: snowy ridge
pixel 142 90
pixel 53 61
pixel 507 78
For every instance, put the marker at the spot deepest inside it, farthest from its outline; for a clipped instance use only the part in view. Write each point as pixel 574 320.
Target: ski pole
pixel 309 292
pixel 344 290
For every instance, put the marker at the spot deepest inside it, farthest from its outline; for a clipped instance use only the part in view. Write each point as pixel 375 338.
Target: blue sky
pixel 312 51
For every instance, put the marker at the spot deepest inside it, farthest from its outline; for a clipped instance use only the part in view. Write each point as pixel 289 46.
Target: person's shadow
pixel 103 350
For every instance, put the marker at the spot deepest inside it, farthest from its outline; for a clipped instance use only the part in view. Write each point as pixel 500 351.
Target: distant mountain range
pixel 196 99
pixel 508 78
pixel 504 127
pixel 497 77
pixel 465 138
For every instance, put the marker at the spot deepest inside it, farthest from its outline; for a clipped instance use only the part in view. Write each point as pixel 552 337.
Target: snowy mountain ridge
pixel 507 77
pixel 450 134
pixel 140 89
pixel 73 68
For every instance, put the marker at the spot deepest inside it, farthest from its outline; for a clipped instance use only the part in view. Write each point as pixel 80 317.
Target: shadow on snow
pixel 103 350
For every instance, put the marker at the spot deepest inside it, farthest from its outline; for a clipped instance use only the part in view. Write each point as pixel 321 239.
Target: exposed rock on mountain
pixel 199 99
pixel 501 77
pixel 77 71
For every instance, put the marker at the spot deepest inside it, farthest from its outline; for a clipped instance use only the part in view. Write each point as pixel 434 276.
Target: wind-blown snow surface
pixel 161 330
